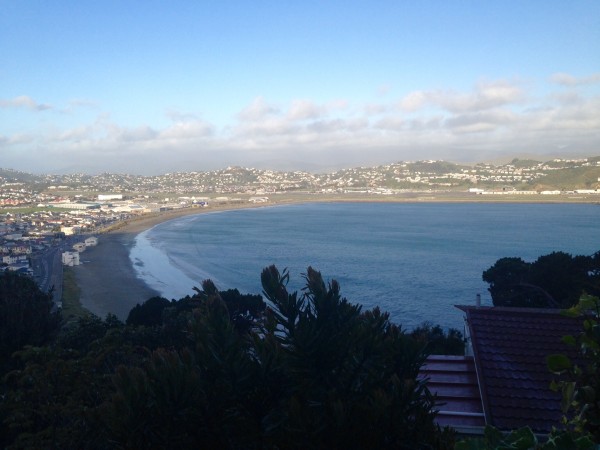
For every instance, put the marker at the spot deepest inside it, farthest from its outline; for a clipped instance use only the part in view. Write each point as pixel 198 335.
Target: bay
pixel 415 261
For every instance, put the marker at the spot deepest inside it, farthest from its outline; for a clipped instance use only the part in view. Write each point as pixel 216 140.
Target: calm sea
pixel 413 260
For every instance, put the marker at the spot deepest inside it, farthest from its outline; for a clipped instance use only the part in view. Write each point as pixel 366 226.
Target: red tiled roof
pixel 453 380
pixel 510 346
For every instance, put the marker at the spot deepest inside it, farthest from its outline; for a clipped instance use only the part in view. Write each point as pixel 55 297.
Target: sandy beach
pixel 106 277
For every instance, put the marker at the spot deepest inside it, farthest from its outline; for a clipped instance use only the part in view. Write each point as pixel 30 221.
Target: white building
pixel 258 199
pixel 105 197
pixel 69 231
pixel 129 208
pixel 79 247
pixel 74 205
pixel 70 259
pixel 92 241
pixel 14 259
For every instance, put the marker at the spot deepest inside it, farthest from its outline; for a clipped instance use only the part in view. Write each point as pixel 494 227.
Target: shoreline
pixel 108 280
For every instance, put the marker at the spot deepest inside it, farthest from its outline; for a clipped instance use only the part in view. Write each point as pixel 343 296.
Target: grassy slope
pixel 71 307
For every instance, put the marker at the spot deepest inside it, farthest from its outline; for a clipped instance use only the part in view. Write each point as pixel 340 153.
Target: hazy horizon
pixel 187 86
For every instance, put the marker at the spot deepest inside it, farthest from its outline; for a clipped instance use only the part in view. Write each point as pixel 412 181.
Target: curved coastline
pixel 108 280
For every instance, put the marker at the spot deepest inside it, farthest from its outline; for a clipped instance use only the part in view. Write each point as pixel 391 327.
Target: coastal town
pixel 48 220
pixel 556 176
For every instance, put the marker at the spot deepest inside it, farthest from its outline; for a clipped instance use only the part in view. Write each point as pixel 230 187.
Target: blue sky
pixel 154 86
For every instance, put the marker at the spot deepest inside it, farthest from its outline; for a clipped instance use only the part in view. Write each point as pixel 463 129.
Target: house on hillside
pixel 503 380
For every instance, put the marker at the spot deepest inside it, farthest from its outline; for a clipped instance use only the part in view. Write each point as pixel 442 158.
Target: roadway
pixel 48 271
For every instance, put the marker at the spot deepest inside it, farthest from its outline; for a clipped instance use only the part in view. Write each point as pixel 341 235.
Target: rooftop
pixel 454 381
pixel 507 382
pixel 510 347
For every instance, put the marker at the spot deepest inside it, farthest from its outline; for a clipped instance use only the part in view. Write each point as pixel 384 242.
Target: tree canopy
pixel 26 315
pixel 556 280
pixel 220 369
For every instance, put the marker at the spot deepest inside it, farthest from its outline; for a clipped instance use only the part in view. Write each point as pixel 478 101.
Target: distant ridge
pixel 520 174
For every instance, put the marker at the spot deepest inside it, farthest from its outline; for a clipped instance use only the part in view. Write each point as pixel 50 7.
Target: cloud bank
pixel 494 119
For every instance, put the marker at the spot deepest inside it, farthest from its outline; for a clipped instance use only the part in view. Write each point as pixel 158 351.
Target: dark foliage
pixel 244 309
pixel 26 316
pixel 222 371
pixel 86 331
pixel 580 382
pixel 438 342
pixel 556 280
pixel 316 372
pixel 149 313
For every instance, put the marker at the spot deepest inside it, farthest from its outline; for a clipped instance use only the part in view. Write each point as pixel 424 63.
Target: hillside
pixel 526 174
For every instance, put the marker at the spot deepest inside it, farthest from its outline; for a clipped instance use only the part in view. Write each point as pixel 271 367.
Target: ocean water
pixel 415 261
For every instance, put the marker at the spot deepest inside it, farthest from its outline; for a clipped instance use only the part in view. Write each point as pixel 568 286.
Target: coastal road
pixel 48 272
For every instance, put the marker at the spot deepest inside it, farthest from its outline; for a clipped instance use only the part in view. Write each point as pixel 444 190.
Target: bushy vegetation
pixel 579 383
pixel 308 369
pixel 224 370
pixel 436 341
pixel 556 280
pixel 26 315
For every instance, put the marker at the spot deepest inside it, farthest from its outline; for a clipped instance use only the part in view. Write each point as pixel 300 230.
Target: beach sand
pixel 106 278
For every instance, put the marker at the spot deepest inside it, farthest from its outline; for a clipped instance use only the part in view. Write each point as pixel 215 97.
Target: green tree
pixel 26 315
pixel 556 280
pixel 148 313
pixel 350 376
pixel 581 387
pixel 437 341
pixel 243 309
pixel 313 372
pixel 506 278
pixel 49 399
pixel 202 395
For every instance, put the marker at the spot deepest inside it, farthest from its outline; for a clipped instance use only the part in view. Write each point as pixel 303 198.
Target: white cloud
pixel 24 101
pixel 191 129
pixel 21 138
pixel 573 119
pixel 415 100
pixel 485 96
pixel 305 109
pixel 375 109
pixel 136 134
pixel 77 104
pixel 259 109
pixel 391 123
pixel 490 119
pixel 75 134
pixel 565 79
pixel 433 123
pixel 486 121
